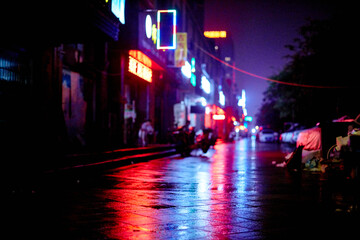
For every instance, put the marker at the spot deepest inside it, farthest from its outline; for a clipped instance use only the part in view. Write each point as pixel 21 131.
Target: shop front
pixel 215 119
pixel 139 93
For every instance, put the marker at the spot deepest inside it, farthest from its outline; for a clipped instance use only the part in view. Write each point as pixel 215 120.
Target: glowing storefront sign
pixel 118 9
pixel 219 117
pixel 242 102
pixel 189 71
pixel 221 98
pixel 186 70
pixel 181 49
pixel 166 29
pixel 193 76
pixel 141 57
pixel 219 114
pixel 248 118
pixel 215 34
pixel 154 33
pixel 140 65
pixel 148 26
pixel 203 101
pixel 205 84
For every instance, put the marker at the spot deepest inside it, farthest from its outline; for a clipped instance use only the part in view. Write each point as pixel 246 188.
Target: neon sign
pixel 205 84
pixel 219 114
pixel 215 34
pixel 118 9
pixel 221 98
pixel 193 76
pixel 154 33
pixel 219 117
pixel 140 65
pixel 148 26
pixel 166 29
pixel 186 70
pixel 248 118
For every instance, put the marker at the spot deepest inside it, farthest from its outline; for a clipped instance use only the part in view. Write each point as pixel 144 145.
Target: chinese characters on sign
pixel 140 65
pixel 181 49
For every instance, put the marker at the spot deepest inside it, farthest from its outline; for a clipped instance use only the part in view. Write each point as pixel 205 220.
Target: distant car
pixel 266 135
pixel 290 137
pixel 286 137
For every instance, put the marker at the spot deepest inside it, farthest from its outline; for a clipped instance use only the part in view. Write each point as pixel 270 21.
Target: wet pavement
pixel 235 191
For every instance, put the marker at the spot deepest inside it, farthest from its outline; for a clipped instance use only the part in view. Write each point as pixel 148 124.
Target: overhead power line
pixel 264 78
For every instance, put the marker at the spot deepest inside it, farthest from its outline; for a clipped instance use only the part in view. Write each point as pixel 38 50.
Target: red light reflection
pixel 133 202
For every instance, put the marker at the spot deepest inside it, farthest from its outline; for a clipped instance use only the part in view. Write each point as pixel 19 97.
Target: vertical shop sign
pixel 181 49
pixel 166 29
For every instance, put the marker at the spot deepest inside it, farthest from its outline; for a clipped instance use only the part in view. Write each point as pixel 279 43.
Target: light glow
pixel 205 84
pixel 193 76
pixel 203 101
pixel 154 33
pixel 218 117
pixel 162 26
pixel 186 70
pixel 215 34
pixel 118 9
pixel 148 26
pixel 242 100
pixel 248 118
pixel 221 98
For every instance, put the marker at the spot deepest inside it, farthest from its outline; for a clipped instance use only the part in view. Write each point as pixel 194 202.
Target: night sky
pixel 260 30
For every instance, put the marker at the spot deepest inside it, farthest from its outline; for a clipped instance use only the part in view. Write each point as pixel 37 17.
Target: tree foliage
pixel 322 56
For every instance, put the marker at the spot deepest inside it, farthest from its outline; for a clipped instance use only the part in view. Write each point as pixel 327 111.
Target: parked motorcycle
pixel 186 141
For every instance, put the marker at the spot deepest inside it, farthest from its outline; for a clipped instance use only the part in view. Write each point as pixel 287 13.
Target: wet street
pixel 235 191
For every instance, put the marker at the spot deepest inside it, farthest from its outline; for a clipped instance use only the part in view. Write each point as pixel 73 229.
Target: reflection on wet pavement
pixel 232 192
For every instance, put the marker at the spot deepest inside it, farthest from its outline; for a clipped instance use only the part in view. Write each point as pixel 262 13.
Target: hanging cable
pixel 264 78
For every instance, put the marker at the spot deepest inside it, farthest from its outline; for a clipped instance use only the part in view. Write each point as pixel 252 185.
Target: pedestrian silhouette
pixel 145 130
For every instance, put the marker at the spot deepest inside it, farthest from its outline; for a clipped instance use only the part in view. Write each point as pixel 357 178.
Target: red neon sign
pixel 140 65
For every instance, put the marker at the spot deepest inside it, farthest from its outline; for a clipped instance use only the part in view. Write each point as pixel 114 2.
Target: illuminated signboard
pixel 186 69
pixel 150 29
pixel 248 118
pixel 118 9
pixel 189 71
pixel 242 99
pixel 219 114
pixel 205 84
pixel 166 29
pixel 193 76
pixel 219 117
pixel 140 65
pixel 215 34
pixel 221 98
pixel 181 49
pixel 148 26
pixel 147 38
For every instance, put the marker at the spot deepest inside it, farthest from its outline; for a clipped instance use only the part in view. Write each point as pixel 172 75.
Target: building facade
pixel 90 79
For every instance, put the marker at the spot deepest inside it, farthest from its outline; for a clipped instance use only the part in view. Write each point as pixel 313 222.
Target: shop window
pixel 14 69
